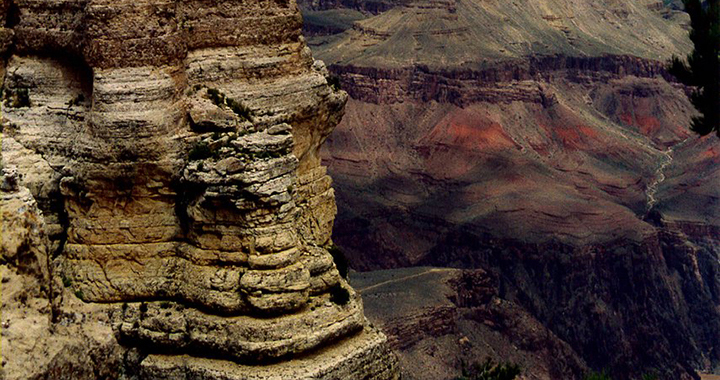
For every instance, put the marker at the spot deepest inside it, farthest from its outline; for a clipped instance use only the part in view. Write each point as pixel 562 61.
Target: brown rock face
pixel 542 142
pixel 442 317
pixel 173 148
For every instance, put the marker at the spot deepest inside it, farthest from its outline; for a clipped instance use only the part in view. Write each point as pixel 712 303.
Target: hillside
pixel 542 142
pixel 447 34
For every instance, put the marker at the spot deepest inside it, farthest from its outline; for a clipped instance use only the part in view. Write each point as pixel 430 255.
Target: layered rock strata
pixel 47 333
pixel 173 148
pixel 443 317
pixel 543 142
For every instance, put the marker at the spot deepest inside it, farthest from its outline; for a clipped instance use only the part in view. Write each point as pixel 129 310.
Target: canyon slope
pixel 165 214
pixel 544 143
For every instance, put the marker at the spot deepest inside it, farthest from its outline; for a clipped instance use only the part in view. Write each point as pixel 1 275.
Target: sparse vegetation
pixel 339 295
pixel 219 145
pixel 77 100
pixel 702 69
pixel 604 375
pixel 66 281
pixel 489 370
pixel 239 109
pixel 216 97
pixel 266 154
pixel 334 82
pixel 17 98
pixel 598 376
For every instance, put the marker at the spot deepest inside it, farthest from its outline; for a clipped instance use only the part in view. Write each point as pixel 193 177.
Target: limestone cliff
pixel 172 147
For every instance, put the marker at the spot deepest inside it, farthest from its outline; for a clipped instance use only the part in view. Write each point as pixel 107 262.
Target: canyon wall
pixel 172 149
pixel 558 208
pixel 543 143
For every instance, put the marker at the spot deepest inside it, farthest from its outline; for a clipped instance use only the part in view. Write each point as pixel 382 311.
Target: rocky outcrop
pixel 504 82
pixel 173 147
pixel 535 141
pixel 46 332
pixel 624 297
pixel 444 319
pixel 374 7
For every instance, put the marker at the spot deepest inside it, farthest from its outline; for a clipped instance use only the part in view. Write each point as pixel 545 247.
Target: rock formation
pixel 543 142
pixel 172 148
pixel 444 317
pixel 47 333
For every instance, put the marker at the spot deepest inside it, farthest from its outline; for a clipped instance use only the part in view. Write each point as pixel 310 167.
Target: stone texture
pixel 173 149
pixel 543 142
pixel 441 318
pixel 42 336
pixel 363 353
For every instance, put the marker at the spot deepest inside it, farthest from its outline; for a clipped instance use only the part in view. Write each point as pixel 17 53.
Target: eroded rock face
pixel 173 148
pixel 541 141
pixel 42 336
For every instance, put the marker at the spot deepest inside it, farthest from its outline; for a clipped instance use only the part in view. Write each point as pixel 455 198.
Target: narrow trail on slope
pixel 660 177
pixel 433 270
pixel 652 188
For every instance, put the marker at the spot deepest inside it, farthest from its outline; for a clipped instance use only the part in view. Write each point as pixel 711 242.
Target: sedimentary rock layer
pixel 537 140
pixel 173 147
pixel 501 82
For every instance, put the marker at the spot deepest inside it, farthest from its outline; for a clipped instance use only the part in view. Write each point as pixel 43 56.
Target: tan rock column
pixel 120 192
pixel 183 137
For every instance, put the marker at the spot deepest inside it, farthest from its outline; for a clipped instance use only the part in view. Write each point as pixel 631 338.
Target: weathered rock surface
pixel 173 150
pixel 543 142
pixel 440 318
pixel 46 332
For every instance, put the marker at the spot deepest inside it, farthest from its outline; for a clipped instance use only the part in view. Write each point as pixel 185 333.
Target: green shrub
pixel 241 110
pixel 220 100
pixel 217 97
pixel 265 154
pixel 598 376
pixel 79 99
pixel 605 376
pixel 489 370
pixel 334 82
pixel 17 98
